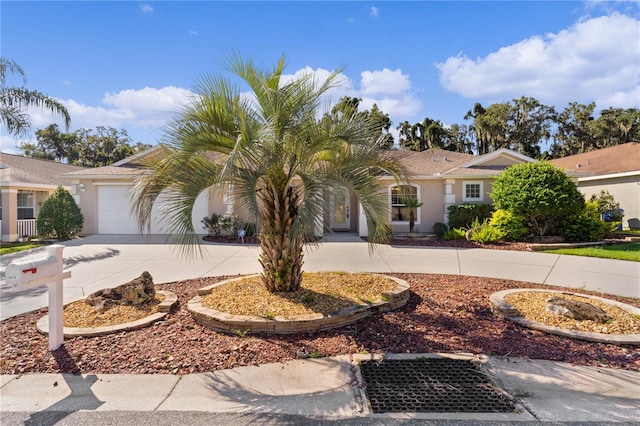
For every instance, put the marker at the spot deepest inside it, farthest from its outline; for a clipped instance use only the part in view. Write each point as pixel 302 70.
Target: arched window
pixel 399 193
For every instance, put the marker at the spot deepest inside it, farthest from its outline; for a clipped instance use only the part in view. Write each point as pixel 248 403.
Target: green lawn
pixel 626 251
pixel 7 248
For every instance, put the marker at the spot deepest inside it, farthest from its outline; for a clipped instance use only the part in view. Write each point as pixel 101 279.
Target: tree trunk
pixel 412 220
pixel 281 252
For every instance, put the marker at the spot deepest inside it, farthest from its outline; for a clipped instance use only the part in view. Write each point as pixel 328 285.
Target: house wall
pixel 625 190
pixel 9 214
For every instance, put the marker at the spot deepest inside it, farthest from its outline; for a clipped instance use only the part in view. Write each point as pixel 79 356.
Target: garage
pixel 114 212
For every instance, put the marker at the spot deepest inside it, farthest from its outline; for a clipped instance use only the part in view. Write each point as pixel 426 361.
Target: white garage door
pixel 114 212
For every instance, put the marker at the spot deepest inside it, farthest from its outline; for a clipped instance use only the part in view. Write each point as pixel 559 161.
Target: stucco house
pixel 25 183
pixel 440 179
pixel 615 169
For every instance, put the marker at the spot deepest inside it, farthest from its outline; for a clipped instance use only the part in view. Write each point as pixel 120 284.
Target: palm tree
pixel 278 158
pixel 412 204
pixel 14 101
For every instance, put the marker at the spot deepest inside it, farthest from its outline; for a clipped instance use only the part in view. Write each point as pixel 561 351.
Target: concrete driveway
pixel 103 261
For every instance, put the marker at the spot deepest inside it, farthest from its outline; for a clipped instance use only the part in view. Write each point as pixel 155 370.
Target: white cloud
pixel 595 59
pixel 384 82
pixel 193 33
pixel 8 144
pixel 374 12
pixel 146 108
pixel 146 9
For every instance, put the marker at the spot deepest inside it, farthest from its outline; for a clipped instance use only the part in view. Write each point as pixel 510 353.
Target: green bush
pixel 463 215
pixel 585 226
pixel 511 226
pixel 439 229
pixel 483 233
pixel 540 193
pixel 608 208
pixel 59 216
pixel 212 224
pixel 454 234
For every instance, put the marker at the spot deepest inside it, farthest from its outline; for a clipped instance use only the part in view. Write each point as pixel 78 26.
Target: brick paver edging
pixel 164 307
pixel 222 321
pixel 500 306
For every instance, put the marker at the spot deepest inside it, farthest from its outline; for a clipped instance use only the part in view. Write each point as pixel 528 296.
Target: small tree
pixel 540 193
pixel 59 217
pixel 412 204
pixel 608 208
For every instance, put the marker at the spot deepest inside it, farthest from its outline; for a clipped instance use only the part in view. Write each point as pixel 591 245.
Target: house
pixel 440 179
pixel 615 169
pixel 25 183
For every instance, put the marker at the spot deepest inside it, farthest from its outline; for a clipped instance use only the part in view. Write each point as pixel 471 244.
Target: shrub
pixel 212 224
pixel 511 226
pixel 454 234
pixel 608 208
pixel 463 215
pixel 585 226
pixel 540 193
pixel 229 224
pixel 59 216
pixel 486 234
pixel 439 229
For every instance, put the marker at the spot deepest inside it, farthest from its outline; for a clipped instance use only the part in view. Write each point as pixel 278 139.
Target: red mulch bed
pixel 445 314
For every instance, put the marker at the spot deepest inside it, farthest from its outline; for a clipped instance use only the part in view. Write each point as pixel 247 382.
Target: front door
pixel 339 213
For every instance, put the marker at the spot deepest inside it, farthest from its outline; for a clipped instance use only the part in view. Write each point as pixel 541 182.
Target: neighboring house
pixel 25 183
pixel 615 169
pixel 440 179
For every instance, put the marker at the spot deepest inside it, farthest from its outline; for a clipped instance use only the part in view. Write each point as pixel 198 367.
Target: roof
pixel 429 163
pixel 615 159
pixel 16 170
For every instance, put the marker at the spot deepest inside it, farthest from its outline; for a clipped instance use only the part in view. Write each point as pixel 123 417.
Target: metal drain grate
pixel 434 385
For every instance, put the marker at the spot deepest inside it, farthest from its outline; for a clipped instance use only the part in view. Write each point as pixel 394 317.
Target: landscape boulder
pixel 136 292
pixel 579 311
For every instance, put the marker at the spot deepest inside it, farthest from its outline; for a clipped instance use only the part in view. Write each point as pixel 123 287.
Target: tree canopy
pixel 83 147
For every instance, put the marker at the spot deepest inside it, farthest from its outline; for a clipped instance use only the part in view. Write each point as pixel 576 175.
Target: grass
pixel 8 248
pixel 625 251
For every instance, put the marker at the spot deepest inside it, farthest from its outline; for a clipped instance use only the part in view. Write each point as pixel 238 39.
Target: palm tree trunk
pixel 281 249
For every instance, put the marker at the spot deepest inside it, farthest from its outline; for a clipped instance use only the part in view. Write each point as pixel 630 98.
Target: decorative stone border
pixel 500 306
pixel 225 322
pixel 164 307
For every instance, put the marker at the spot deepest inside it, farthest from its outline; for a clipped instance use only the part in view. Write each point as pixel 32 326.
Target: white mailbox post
pixel 34 273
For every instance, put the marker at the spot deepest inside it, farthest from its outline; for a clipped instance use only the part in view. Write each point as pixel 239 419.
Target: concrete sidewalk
pixel 328 388
pixel 100 261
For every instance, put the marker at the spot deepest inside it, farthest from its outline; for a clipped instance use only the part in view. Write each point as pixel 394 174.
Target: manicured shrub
pixel 463 215
pixel 454 234
pixel 540 193
pixel 585 226
pixel 439 229
pixel 59 216
pixel 511 226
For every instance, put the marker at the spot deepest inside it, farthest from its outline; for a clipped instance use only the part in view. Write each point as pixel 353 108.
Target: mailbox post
pixel 34 273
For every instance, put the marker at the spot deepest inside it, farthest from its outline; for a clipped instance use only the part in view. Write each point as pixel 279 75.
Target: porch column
pixel 9 214
pixel 363 229
pixel 449 198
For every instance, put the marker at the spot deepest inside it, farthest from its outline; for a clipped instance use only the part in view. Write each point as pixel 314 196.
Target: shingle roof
pixel 17 169
pixel 606 161
pixel 434 161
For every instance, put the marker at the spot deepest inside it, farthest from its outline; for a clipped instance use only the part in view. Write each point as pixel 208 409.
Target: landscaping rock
pixel 579 311
pixel 136 292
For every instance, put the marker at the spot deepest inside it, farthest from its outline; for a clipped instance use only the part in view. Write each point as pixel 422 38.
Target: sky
pixel 132 64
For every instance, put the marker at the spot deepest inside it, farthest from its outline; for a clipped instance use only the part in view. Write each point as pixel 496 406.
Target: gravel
pixel 444 314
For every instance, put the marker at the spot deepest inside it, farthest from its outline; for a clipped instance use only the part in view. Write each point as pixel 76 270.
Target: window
pixel 400 212
pixel 26 205
pixel 472 191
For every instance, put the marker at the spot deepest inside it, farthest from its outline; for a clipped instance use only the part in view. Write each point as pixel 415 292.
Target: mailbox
pixel 32 273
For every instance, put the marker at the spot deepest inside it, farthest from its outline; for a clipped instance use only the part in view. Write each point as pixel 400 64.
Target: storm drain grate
pixel 434 385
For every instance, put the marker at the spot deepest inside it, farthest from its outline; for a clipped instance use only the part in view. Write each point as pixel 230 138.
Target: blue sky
pixel 131 64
